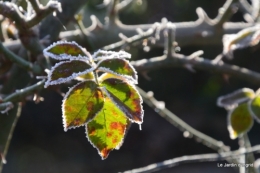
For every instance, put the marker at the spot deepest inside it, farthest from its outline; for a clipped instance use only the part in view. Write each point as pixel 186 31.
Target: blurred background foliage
pixel 40 145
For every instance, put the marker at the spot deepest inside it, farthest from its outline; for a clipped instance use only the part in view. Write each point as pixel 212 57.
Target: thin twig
pixel 180 124
pixel 197 63
pixel 5 107
pixel 123 5
pixel 36 5
pixel 42 12
pixel 20 94
pixel 225 13
pixel 20 61
pixel 131 40
pixel 197 158
pixel 8 129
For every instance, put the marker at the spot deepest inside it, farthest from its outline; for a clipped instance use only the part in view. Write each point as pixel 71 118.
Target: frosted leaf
pixel 240 121
pixel 125 96
pixel 245 38
pixel 66 71
pixel 63 50
pixel 103 54
pixel 231 100
pixel 118 67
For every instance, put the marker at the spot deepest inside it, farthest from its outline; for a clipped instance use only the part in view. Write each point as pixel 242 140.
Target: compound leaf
pixel 239 120
pixel 62 50
pixel 81 103
pixel 107 130
pixel 67 70
pixel 231 100
pixel 254 107
pixel 119 67
pixel 126 97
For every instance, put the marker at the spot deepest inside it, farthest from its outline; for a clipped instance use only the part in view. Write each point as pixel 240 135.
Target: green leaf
pixel 126 97
pixel 231 100
pixel 119 67
pixel 239 121
pixel 81 104
pixel 67 70
pixel 254 107
pixel 62 50
pixel 107 130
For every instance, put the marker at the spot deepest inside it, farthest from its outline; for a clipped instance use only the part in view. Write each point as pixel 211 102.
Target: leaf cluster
pixel 105 100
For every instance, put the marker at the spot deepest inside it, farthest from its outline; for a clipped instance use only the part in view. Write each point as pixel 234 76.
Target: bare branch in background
pixel 181 125
pixel 197 158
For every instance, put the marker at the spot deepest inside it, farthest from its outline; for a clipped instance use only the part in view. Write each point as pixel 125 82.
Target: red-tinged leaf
pixel 67 70
pixel 81 103
pixel 107 130
pixel 231 100
pixel 103 54
pixel 126 97
pixel 254 107
pixel 119 67
pixel 63 50
pixel 239 121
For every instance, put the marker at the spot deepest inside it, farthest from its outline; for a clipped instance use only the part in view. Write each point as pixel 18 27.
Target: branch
pixel 180 124
pixel 20 94
pixel 7 127
pixel 28 36
pixel 42 12
pixel 199 63
pixel 225 13
pixel 53 25
pixel 196 158
pixel 5 107
pixel 20 61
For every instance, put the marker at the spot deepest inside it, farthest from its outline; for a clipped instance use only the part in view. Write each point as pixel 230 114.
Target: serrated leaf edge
pixel 63 80
pixel 123 109
pixel 230 129
pixel 238 101
pixel 110 55
pixel 63 108
pixel 64 56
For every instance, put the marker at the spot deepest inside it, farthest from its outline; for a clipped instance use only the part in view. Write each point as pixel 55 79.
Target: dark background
pixel 40 145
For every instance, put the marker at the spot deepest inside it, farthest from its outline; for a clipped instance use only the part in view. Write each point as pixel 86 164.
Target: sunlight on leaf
pixel 231 100
pixel 119 67
pixel 65 50
pixel 239 121
pixel 67 70
pixel 254 107
pixel 81 103
pixel 107 130
pixel 126 97
pixel 89 75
